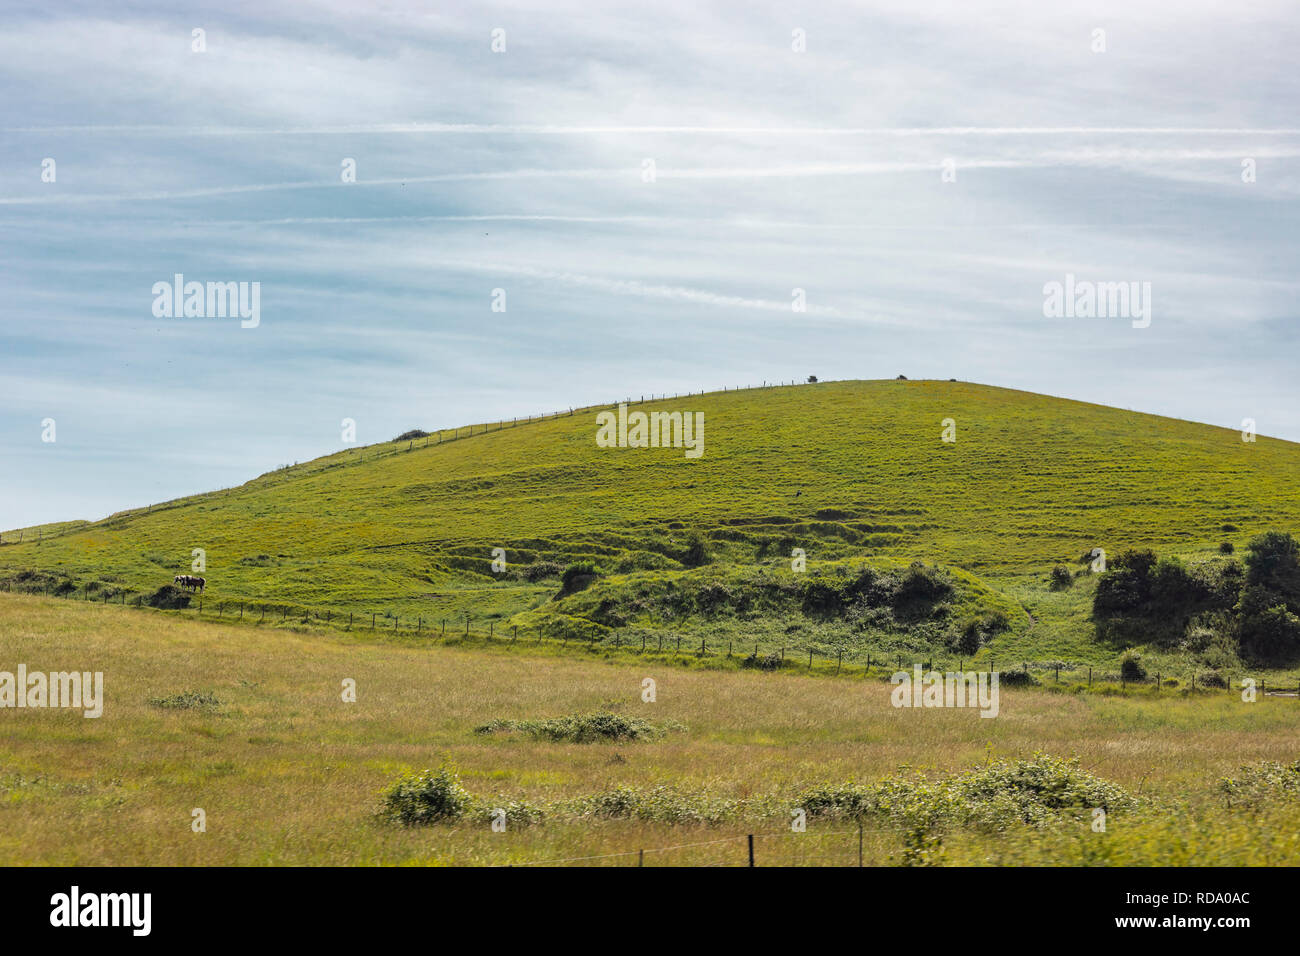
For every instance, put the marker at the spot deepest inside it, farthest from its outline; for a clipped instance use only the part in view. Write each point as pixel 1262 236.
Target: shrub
pixel 1212 679
pixel 1258 783
pixel 660 805
pixel 1040 791
pixel 1061 578
pixel 430 796
pixel 765 662
pixel 168 597
pixel 411 435
pixel 186 700
pixel 580 728
pixel 1226 548
pixel 1131 666
pixel 577 576
pixel 696 553
pixel 1268 634
pixel 1021 678
pixel 1273 561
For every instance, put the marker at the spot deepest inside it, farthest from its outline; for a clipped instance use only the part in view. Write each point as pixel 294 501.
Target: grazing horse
pixel 190 581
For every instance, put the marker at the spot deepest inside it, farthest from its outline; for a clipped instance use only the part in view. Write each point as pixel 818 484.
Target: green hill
pixel 853 473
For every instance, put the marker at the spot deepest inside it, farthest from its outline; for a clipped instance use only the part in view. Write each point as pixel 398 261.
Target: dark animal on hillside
pixel 190 581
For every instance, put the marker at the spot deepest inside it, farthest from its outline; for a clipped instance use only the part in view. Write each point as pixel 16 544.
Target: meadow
pixel 497 596
pixel 250 726
pixel 848 473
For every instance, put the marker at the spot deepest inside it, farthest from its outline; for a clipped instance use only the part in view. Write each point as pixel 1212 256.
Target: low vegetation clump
pixel 1061 578
pixel 661 805
pixel 577 576
pixel 428 796
pixel 187 700
pixel 762 662
pixel 582 728
pixel 1260 783
pixel 1037 792
pixel 168 598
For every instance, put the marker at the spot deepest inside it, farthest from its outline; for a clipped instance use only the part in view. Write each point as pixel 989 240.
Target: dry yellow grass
pixel 288 773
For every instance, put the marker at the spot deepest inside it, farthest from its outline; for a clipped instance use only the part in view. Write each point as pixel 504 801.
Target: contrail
pixel 1082 157
pixel 558 130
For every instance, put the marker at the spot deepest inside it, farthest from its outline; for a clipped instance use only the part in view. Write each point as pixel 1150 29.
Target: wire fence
pixel 843 662
pixel 813 846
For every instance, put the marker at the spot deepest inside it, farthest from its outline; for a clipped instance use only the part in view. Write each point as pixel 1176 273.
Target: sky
pixel 648 185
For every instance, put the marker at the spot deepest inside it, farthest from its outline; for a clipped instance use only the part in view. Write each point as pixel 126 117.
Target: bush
pixel 1212 679
pixel 430 796
pixel 1226 548
pixel 697 551
pixel 765 662
pixel 1262 782
pixel 1061 578
pixel 186 700
pixel 413 434
pixel 1131 667
pixel 660 805
pixel 168 597
pixel 577 576
pixel 580 728
pixel 1021 678
pixel 1041 791
pixel 1273 562
pixel 1268 634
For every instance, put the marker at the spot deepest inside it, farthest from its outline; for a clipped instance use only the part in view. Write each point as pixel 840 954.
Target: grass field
pixel 623 565
pixel 850 472
pixel 287 773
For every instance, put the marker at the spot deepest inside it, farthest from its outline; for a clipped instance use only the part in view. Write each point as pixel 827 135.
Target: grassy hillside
pixel 255 733
pixel 853 473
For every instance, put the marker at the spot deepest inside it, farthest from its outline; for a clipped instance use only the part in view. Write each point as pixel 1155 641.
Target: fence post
pixel 751 849
pixel 372 620
pixel 810 660
pixel 839 661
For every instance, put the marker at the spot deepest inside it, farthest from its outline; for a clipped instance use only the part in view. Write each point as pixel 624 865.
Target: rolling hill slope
pixel 845 471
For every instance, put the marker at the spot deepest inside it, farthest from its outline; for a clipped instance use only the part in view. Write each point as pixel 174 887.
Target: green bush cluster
pixel 1210 607
pixel 1039 791
pixel 582 728
pixel 1259 783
